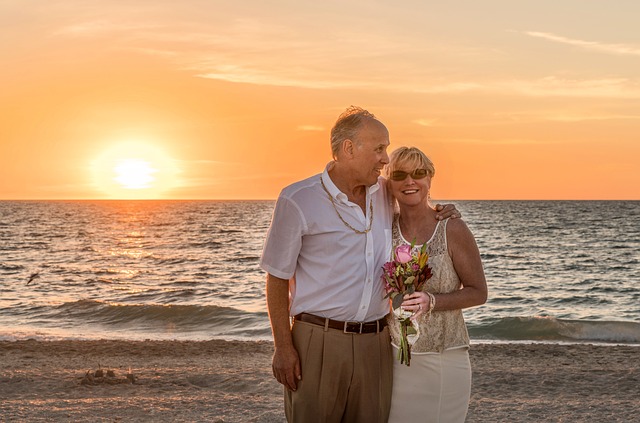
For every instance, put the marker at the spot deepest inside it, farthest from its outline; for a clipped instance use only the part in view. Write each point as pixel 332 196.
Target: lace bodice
pixel 444 329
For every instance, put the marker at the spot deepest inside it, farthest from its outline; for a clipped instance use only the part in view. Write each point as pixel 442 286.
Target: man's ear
pixel 348 148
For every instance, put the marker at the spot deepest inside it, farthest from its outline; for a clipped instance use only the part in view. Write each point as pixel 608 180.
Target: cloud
pixel 271 53
pixel 101 27
pixel 621 49
pixel 270 50
pixel 206 162
pixel 590 117
pixel 497 141
pixel 548 86
pixel 563 115
pixel 553 86
pixel 310 128
pixel 424 122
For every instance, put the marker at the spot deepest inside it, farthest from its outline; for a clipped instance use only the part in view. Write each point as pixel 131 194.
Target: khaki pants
pixel 345 377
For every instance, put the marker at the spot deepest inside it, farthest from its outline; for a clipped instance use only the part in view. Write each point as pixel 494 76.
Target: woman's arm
pixel 465 255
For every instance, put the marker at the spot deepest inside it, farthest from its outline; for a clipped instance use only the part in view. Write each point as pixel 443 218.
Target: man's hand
pixel 448 210
pixel 286 367
pixel 286 362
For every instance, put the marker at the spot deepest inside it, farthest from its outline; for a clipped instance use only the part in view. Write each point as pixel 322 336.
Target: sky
pixel 206 99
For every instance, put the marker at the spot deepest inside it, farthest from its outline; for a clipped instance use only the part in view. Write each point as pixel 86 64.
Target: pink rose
pixel 403 254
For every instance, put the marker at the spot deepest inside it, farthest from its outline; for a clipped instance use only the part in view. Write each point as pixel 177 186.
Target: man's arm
pixel 286 363
pixel 448 210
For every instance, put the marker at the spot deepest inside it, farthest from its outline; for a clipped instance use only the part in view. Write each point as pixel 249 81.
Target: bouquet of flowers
pixel 404 275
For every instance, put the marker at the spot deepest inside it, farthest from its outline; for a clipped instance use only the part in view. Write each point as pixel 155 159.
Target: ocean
pixel 557 271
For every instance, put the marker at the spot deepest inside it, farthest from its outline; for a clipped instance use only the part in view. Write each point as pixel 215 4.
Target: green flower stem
pixel 404 354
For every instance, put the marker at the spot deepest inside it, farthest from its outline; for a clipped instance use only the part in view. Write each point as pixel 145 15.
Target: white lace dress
pixel 437 385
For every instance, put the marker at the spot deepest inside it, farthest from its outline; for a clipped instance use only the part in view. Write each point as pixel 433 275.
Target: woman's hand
pixel 418 302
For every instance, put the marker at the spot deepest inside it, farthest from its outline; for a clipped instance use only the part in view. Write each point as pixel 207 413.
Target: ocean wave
pixel 245 259
pixel 8 266
pixel 552 329
pixel 171 260
pixel 206 244
pixel 149 318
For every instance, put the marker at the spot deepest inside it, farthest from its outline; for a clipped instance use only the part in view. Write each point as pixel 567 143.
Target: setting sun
pixel 134 173
pixel 134 170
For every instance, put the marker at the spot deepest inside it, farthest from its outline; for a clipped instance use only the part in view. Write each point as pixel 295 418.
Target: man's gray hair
pixel 347 126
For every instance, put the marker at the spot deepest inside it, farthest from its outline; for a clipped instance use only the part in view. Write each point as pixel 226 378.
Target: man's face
pixel 370 152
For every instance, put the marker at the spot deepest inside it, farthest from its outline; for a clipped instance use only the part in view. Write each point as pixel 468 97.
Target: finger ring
pixel 419 307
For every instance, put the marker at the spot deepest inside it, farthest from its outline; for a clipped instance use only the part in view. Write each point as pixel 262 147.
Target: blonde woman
pixel 437 385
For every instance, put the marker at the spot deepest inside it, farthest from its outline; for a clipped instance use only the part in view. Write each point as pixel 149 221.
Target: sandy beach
pixel 221 381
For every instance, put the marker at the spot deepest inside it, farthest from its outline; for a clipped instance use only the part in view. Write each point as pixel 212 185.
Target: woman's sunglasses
pixel 400 175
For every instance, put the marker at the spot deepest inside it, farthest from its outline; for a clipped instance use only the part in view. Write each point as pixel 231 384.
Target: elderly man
pixel 330 236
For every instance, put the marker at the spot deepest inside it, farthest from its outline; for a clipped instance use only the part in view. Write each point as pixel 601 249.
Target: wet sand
pixel 221 381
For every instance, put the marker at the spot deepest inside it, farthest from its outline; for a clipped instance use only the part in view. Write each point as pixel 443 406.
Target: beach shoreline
pixel 231 381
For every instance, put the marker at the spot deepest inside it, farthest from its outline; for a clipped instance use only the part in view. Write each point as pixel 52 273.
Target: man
pixel 330 236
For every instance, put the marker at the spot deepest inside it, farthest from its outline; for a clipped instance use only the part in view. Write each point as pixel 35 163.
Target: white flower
pixel 401 313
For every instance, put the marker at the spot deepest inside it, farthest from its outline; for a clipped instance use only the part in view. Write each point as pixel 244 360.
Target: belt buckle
pixel 346 324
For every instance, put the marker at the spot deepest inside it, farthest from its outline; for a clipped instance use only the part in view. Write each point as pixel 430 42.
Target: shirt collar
pixel 335 192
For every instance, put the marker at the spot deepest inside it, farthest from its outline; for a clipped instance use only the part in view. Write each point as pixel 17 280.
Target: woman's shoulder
pixel 456 227
pixel 459 236
pixel 455 223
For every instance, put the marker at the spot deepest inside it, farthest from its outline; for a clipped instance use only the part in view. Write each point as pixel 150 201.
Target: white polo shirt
pixel 333 271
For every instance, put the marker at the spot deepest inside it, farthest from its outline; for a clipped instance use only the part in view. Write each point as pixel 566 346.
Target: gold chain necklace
pixel 340 216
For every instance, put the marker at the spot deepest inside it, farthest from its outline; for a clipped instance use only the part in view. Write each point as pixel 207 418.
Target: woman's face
pixel 410 186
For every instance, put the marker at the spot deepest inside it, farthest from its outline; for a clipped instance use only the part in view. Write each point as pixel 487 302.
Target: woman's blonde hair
pixel 409 158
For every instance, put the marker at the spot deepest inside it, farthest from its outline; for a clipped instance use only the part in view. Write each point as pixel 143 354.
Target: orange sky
pixel 511 100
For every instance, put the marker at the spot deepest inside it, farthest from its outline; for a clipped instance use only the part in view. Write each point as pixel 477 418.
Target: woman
pixel 437 385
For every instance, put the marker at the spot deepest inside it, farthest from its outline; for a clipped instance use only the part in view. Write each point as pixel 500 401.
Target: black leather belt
pixel 347 327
